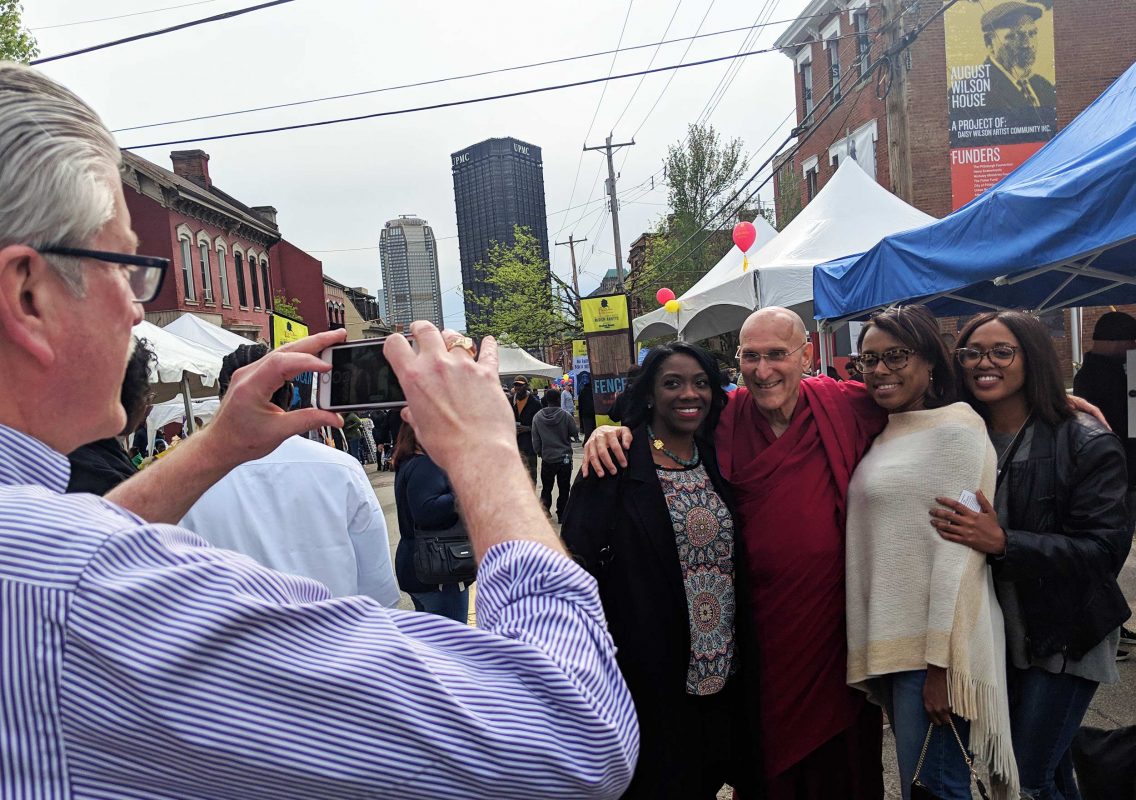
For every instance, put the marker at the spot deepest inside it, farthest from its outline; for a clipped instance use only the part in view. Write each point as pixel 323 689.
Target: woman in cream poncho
pixel 925 632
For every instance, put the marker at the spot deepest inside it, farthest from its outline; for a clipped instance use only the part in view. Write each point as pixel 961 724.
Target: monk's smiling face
pixel 774 384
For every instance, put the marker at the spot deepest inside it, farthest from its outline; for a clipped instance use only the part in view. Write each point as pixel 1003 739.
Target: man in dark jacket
pixel 553 430
pixel 525 408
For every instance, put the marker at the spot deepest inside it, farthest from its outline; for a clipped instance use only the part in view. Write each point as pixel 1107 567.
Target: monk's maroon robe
pixel 790 493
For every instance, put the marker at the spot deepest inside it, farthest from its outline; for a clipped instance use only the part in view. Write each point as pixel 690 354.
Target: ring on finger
pixel 464 342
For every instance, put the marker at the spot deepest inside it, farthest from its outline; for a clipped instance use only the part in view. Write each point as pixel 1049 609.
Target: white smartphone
pixel 360 378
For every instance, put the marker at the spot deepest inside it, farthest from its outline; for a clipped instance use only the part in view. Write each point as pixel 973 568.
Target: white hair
pixel 58 167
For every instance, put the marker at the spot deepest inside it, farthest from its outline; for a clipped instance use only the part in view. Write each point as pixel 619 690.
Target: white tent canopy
pixel 851 214
pixel 515 361
pixel 197 330
pixel 177 358
pixel 174 411
pixel 660 323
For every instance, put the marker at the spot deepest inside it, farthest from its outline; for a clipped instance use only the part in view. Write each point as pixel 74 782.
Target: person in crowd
pixel 568 404
pixel 553 431
pixel 525 408
pixel 1103 381
pixel 139 661
pixel 619 408
pixel 787 447
pixel 97 467
pixel 315 513
pixel 1056 535
pixel 353 433
pixel 925 633
pixel 424 499
pixel 585 404
pixel 660 539
pixel 727 382
pixel 370 451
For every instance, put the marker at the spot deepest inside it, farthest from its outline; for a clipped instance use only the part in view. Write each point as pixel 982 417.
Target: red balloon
pixel 745 235
pixel 664 295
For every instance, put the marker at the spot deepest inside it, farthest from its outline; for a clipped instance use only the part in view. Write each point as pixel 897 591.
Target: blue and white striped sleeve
pixel 195 672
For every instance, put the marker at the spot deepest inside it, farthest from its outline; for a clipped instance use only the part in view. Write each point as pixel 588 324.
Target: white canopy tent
pixel 660 323
pixel 851 214
pixel 204 408
pixel 197 330
pixel 515 361
pixel 182 366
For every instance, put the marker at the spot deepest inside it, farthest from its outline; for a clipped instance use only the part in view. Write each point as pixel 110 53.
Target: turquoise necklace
pixel 657 443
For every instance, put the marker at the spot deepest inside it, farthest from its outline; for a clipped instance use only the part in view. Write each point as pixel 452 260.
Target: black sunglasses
pixel 145 277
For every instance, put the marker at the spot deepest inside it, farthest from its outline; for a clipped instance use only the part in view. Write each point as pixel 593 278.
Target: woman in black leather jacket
pixel 1057 535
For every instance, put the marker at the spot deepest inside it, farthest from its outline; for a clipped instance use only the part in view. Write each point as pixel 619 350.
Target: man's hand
pixel 1081 404
pixel 935 696
pixel 604 448
pixel 246 427
pixel 464 422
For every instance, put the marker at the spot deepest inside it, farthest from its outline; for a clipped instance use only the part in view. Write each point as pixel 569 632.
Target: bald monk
pixel 788 448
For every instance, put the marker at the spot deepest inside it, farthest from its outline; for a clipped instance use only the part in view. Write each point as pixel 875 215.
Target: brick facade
pixel 1093 46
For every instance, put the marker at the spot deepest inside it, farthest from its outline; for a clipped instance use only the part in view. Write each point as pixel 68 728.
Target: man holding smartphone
pixel 138 661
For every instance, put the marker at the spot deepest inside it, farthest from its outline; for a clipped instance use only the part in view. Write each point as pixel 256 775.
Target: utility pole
pixel 610 148
pixel 899 143
pixel 572 242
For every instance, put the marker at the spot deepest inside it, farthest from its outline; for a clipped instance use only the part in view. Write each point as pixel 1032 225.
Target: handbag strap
pixel 965 756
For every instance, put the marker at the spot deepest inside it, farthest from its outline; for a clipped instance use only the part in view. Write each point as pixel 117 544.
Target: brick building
pixel 228 259
pixel 353 308
pixel 897 124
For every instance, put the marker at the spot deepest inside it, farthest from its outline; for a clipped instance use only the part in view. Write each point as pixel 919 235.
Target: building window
pixel 255 282
pixel 807 89
pixel 242 293
pixel 863 40
pixel 187 270
pixel 832 49
pixel 264 283
pixel 811 183
pixel 222 272
pixel 206 278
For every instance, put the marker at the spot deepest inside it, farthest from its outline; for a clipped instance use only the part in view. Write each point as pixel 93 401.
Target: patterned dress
pixel 704 535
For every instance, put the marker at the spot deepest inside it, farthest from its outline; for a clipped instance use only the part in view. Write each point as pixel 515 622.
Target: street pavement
pixel 1112 707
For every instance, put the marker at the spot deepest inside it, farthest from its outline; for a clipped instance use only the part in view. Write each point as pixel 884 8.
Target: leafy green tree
pixel 16 43
pixel 287 308
pixel 533 308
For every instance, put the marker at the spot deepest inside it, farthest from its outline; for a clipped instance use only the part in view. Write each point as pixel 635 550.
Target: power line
pixel 434 81
pixel 449 104
pixel 650 63
pixel 120 16
pixel 171 29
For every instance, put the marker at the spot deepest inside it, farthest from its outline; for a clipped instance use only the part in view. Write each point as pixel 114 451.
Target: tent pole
pixel 1075 318
pixel 189 427
pixel 825 355
pixel 678 326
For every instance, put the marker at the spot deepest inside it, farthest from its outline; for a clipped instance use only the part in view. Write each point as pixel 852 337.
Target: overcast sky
pixel 334 186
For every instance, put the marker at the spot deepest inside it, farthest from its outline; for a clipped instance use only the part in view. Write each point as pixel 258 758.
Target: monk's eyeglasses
pixel 894 359
pixel 773 356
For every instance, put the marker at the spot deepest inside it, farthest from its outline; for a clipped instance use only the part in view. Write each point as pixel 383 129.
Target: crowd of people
pixel 750 572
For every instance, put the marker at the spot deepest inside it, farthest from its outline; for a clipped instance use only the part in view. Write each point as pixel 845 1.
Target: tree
pixel 287 308
pixel 703 172
pixel 532 307
pixel 16 43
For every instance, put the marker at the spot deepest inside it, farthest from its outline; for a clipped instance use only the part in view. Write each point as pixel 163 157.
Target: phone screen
pixel 361 376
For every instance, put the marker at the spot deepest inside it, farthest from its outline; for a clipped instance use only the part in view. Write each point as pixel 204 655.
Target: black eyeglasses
pixel 894 359
pixel 1000 355
pixel 145 273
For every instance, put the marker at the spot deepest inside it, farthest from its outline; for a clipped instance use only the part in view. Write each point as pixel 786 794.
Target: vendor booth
pixel 850 214
pixel 515 361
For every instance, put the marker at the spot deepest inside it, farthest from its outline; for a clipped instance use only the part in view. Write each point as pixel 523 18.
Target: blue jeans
pixel 450 601
pixel 944 771
pixel 1045 712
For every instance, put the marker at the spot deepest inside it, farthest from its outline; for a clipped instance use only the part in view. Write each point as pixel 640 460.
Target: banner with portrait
pixel 1001 94
pixel 607 331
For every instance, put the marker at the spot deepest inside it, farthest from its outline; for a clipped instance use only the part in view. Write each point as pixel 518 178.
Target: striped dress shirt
pixel 138 662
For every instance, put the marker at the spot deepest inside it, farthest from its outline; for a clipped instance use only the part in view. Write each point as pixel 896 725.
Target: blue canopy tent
pixel 1058 232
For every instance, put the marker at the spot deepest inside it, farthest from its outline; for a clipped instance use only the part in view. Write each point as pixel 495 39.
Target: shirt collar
pixel 27 460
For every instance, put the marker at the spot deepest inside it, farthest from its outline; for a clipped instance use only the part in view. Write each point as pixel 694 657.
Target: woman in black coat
pixel 424 499
pixel 1056 534
pixel 659 538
